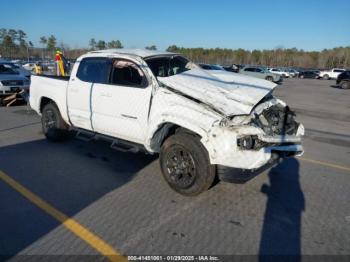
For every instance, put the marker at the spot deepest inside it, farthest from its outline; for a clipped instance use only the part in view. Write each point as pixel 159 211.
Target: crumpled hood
pixel 229 93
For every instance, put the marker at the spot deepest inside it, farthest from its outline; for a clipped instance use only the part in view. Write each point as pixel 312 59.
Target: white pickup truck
pixel 200 123
pixel 331 74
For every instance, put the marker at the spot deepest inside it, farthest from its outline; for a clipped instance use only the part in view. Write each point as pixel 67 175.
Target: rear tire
pixel 345 84
pixel 185 164
pixel 53 126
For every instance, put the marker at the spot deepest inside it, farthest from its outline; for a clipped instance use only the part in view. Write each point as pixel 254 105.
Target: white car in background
pixel 29 66
pixel 278 71
pixel 331 74
pixel 292 72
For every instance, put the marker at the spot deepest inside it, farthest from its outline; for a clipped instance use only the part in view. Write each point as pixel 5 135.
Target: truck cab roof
pixel 143 53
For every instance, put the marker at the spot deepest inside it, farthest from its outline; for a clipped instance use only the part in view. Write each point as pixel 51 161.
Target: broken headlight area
pixel 277 120
pixel 253 142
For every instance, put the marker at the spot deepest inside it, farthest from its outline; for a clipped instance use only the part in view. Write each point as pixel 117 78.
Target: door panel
pixel 91 70
pixel 121 111
pixel 120 108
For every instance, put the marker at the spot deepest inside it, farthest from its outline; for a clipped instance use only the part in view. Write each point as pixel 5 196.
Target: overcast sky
pixel 249 24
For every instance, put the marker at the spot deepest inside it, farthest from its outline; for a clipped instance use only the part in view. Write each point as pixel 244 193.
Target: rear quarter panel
pixel 54 89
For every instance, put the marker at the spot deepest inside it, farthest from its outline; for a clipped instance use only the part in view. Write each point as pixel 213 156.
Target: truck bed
pixel 49 87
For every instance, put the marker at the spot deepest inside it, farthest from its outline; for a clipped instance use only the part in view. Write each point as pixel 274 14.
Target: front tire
pixel 269 78
pixel 326 77
pixel 53 126
pixel 185 164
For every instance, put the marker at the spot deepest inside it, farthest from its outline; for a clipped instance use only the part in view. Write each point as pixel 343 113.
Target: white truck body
pixel 331 74
pixel 221 109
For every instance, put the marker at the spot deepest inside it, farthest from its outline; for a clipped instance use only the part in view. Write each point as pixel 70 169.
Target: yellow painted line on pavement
pixel 80 231
pixel 322 163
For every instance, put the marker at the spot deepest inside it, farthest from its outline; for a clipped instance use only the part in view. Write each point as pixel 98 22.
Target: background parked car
pixel 17 68
pixel 233 68
pixel 309 74
pixel 29 66
pixel 278 71
pixel 331 74
pixel 343 80
pixel 292 72
pixel 211 67
pixel 11 81
pixel 261 72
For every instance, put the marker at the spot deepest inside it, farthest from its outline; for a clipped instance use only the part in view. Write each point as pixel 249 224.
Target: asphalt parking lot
pixel 120 202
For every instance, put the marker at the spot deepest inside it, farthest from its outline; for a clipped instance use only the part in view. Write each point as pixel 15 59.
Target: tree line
pixel 278 57
pixel 14 44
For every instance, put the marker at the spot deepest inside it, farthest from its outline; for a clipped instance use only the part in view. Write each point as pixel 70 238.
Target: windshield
pixel 6 70
pixel 169 65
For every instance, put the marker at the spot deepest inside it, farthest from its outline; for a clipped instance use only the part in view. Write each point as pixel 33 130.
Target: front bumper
pixel 224 148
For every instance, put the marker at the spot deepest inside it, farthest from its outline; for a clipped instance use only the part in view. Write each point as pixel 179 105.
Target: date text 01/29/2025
pixel 173 258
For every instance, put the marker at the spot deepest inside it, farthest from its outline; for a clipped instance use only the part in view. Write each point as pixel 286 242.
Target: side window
pixel 94 70
pixel 258 70
pixel 127 73
pixel 249 69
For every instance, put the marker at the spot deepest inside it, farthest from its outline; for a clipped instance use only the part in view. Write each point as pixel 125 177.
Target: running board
pixel 115 143
pixel 85 136
pixel 124 147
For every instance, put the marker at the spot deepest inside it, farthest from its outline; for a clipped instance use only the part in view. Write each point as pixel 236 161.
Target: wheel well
pixel 166 130
pixel 44 101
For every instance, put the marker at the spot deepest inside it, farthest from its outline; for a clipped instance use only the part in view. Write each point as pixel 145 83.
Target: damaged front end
pixel 279 128
pixel 268 133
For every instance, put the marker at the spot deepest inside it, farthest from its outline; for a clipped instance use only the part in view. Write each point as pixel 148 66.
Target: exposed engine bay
pixel 277 120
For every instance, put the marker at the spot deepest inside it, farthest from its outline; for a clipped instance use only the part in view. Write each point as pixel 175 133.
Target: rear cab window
pixel 94 70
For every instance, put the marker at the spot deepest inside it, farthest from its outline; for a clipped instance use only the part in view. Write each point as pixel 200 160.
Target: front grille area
pixel 12 82
pixel 277 120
